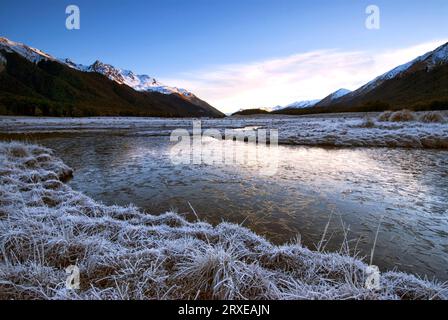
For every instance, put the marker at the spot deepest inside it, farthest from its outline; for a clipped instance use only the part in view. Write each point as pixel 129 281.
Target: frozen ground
pixel 344 130
pixel 354 132
pixel 123 253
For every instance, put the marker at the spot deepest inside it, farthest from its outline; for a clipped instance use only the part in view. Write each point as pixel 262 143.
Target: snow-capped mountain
pixel 421 82
pixel 129 78
pixel 339 93
pixel 425 62
pixel 31 54
pixel 276 108
pixel 297 105
pixel 137 82
pixel 332 97
pixel 302 104
pixel 311 103
pixel 81 92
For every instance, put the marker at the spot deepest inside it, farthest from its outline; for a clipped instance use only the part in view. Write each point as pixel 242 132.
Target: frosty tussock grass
pixel 123 253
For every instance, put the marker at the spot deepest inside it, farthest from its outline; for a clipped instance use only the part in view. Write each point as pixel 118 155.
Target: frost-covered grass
pixel 406 115
pixel 338 130
pixel 402 116
pixel 124 253
pixel 432 117
pixel 368 122
pixel 359 132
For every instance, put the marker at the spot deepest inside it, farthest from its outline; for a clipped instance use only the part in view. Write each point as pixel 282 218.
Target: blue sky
pixel 209 45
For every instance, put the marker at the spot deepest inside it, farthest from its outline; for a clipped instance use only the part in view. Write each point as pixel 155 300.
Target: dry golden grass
pixel 402 116
pixel 385 116
pixel 432 117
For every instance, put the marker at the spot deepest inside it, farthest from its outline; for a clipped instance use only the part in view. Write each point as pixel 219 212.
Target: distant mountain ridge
pixel 420 84
pixel 143 85
pixel 33 82
pixel 311 103
pixel 426 62
pixel 127 77
pixel 137 82
pixel 302 104
pixel 32 54
pixel 385 86
pixel 328 100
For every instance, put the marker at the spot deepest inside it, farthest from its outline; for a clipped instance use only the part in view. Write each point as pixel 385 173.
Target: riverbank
pixel 123 253
pixel 332 130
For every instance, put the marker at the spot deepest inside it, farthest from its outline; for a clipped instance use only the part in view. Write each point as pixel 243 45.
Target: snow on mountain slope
pixel 328 100
pixel 339 93
pixel 311 103
pixel 276 108
pixel 74 65
pixel 297 105
pixel 137 82
pixel 303 104
pixel 129 78
pixel 32 54
pixel 427 62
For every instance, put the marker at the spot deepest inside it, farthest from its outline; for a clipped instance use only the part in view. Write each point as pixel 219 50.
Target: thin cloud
pixel 302 76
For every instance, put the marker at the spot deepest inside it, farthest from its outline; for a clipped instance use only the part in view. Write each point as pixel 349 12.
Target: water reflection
pixel 405 189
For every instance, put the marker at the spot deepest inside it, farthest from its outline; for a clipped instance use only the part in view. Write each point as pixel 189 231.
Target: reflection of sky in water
pixel 405 189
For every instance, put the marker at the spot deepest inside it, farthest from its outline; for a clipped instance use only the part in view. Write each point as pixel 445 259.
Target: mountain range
pixel 328 100
pixel 33 82
pixel 331 98
pixel 421 84
pixel 297 105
